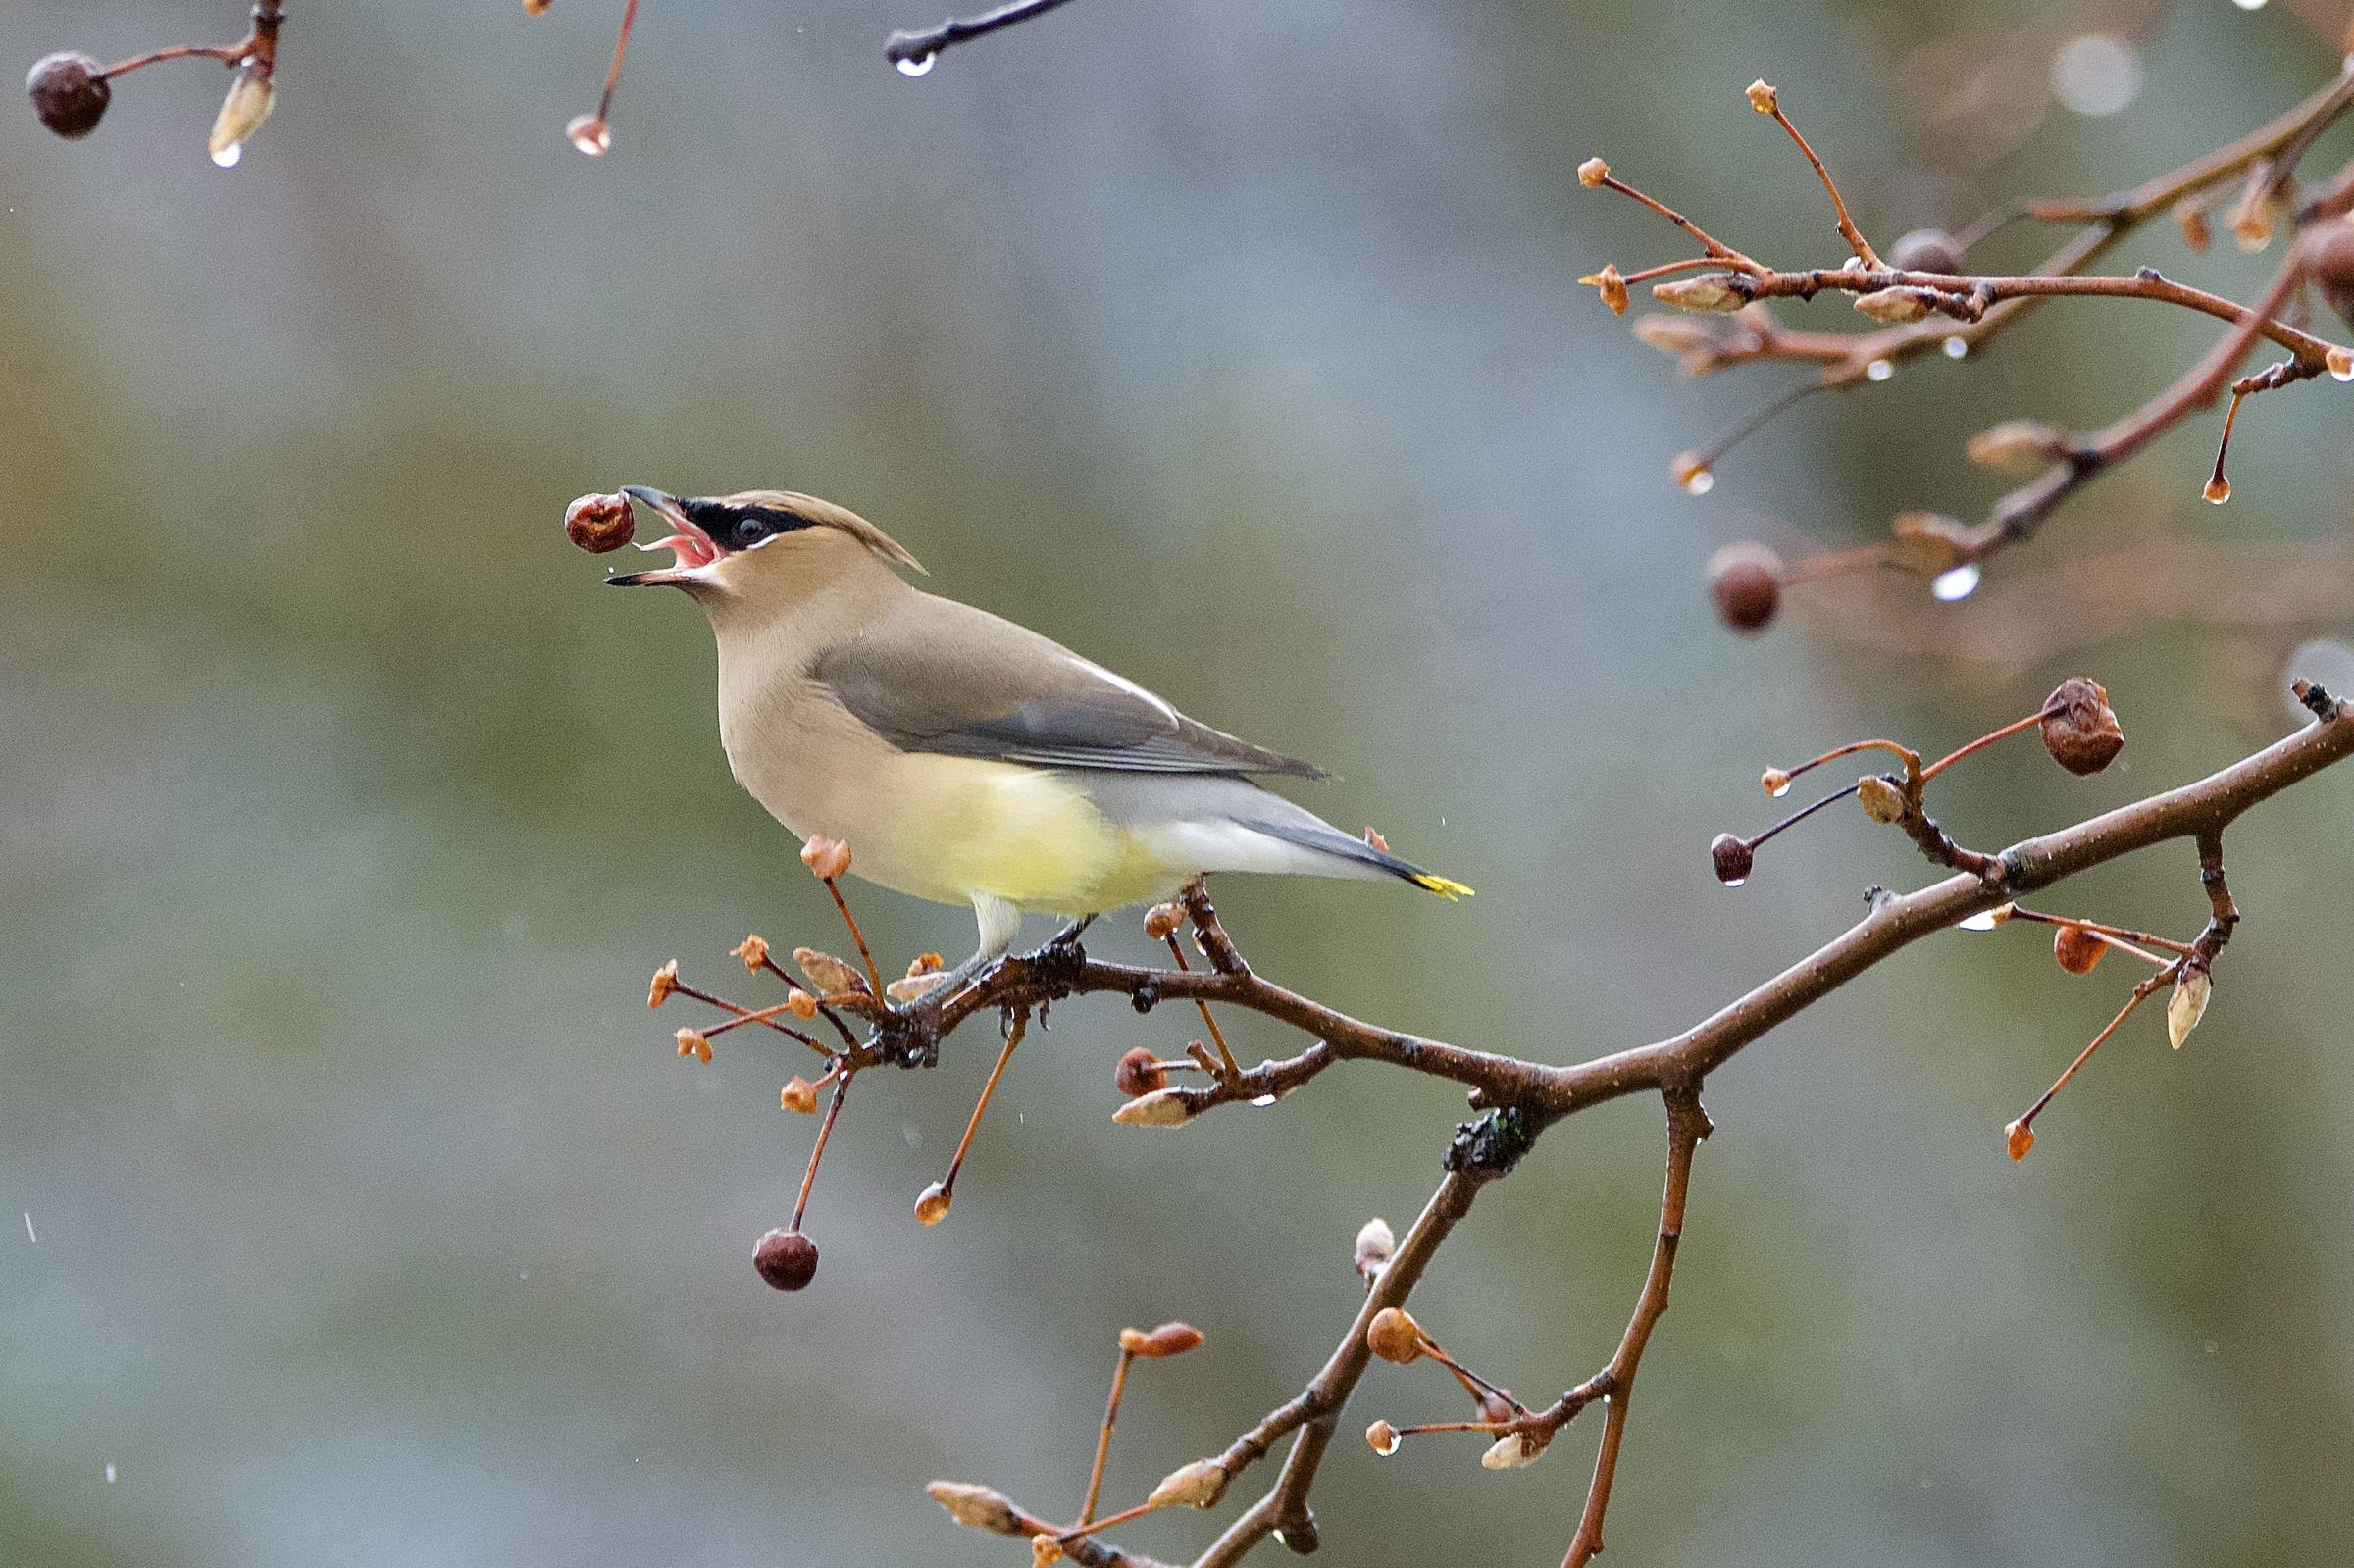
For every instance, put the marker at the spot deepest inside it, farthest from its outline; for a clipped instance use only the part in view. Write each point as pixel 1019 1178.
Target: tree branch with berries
pixel 843 1011
pixel 1926 301
pixel 71 89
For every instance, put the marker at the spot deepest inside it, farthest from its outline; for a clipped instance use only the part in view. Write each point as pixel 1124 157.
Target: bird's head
pixel 770 548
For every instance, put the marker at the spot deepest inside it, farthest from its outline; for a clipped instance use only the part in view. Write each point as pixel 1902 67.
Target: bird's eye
pixel 750 531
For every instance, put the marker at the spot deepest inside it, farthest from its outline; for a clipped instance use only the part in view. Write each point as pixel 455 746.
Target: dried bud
pixel 2082 734
pixel 2019 1138
pixel 1376 1244
pixel 1746 581
pixel 785 1259
pixel 70 92
pixel 753 950
pixel 1139 1072
pixel 828 974
pixel 243 112
pixel 2340 363
pixel 694 1042
pixel 1775 781
pixel 1761 97
pixel 801 1003
pixel 2187 1005
pixel 1382 1438
pixel 828 857
pixel 2077 949
pixel 799 1096
pixel 2258 209
pixel 1711 291
pixel 916 988
pixel 1733 859
pixel 1882 800
pixel 599 522
pixel 932 1205
pixel 2216 490
pixel 1045 1551
pixel 1393 1336
pixel 2333 266
pixel 590 134
pixel 974 1507
pixel 2024 447
pixel 1162 1107
pixel 1925 250
pixel 1896 307
pixel 1162 921
pixel 1197 1485
pixel 1513 1450
pixel 1692 343
pixel 1171 1339
pixel 539 8
pixel 926 964
pixel 1612 284
pixel 2191 213
pixel 1929 545
pixel 666 980
pixel 1592 173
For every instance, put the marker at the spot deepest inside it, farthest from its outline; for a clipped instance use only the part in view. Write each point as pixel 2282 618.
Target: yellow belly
pixel 947 828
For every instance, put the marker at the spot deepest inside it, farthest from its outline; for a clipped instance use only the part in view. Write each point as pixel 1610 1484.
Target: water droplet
pixel 2097 73
pixel 1781 790
pixel 2218 490
pixel 1959 584
pixel 591 134
pixel 1734 881
pixel 523 1274
pixel 2245 5
pixel 1880 369
pixel 917 65
pixel 1983 920
pixel 1265 1099
pixel 1957 348
pixel 1700 481
pixel 231 156
pixel 110 1472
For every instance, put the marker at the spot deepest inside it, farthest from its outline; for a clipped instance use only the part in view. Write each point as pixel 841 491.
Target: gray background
pixel 1236 343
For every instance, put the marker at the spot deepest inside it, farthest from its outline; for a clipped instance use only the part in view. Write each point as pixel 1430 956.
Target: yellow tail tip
pixel 1446 888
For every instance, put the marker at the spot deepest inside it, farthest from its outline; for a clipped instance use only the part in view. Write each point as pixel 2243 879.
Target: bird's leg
pixel 1068 937
pixel 1000 923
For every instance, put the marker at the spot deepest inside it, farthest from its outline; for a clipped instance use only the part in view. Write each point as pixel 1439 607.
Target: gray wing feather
pixel 943 676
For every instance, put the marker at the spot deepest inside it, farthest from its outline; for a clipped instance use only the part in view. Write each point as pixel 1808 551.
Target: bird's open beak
pixel 693 549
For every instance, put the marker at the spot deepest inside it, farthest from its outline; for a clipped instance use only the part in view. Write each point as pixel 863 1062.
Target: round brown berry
pixel 785 1259
pixel 1139 1072
pixel 1925 250
pixel 2079 729
pixel 1746 581
pixel 1732 857
pixel 599 522
pixel 2334 267
pixel 70 92
pixel 2078 949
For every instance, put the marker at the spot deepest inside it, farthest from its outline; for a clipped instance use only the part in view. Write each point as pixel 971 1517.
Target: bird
pixel 965 758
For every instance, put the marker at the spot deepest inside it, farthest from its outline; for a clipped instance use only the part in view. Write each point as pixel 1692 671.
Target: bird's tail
pixel 1332 841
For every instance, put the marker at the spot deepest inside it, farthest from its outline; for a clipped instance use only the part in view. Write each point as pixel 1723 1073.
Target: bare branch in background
pixel 1928 302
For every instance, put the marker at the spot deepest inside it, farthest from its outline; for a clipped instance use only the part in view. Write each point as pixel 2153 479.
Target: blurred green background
pixel 369 1219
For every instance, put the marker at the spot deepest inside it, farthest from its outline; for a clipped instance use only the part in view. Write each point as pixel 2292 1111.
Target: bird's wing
pixel 942 677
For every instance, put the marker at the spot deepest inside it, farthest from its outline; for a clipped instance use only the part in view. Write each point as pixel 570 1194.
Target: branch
pixel 914 51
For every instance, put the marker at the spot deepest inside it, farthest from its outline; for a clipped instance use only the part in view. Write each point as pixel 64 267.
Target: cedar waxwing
pixel 963 758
